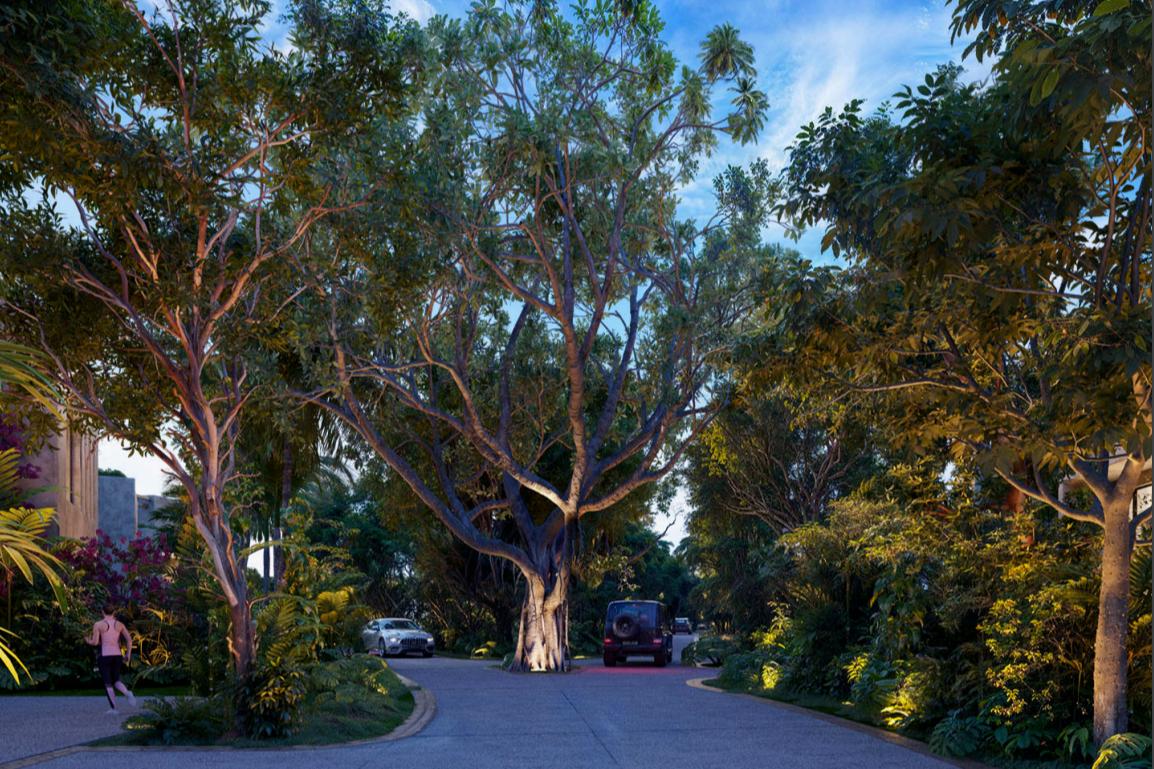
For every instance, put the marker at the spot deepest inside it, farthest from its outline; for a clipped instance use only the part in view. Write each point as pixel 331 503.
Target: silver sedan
pixel 396 635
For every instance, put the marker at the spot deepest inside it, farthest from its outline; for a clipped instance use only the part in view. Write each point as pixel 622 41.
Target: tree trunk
pixel 231 575
pixel 541 643
pixel 286 492
pixel 241 637
pixel 1110 658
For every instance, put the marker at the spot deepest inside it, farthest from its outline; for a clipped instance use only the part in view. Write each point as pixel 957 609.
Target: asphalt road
pixel 634 715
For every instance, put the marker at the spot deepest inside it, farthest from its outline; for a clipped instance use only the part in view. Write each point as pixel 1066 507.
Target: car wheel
pixel 660 660
pixel 610 661
pixel 381 648
pixel 426 655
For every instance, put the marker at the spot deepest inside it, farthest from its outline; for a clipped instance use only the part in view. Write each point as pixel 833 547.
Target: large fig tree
pixel 569 345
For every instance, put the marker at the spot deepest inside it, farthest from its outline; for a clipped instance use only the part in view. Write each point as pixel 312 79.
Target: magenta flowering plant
pixel 133 573
pixel 12 436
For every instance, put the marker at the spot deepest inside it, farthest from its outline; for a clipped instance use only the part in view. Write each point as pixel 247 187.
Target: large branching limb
pixel 1041 494
pixel 646 473
pixel 616 387
pixel 506 396
pixel 472 427
pixel 352 414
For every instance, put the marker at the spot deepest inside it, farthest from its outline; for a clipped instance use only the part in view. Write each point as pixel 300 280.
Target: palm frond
pixel 21 368
pixel 8 658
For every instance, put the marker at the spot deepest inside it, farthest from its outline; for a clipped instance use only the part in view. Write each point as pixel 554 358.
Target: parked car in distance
pixel 637 629
pixel 682 625
pixel 397 635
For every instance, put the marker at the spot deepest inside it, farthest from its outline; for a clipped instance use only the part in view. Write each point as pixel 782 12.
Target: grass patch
pixel 346 700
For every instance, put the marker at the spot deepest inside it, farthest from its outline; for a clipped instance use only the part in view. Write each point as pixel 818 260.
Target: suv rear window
pixel 645 612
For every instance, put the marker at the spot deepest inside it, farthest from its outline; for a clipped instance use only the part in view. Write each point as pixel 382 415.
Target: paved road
pixel 629 716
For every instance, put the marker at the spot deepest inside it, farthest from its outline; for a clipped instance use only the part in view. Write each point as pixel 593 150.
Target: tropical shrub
pixel 959 736
pixel 1124 751
pixel 711 651
pixel 924 605
pixel 182 720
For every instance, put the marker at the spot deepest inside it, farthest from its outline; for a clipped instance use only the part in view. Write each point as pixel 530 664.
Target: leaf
pixel 1050 82
pixel 1109 6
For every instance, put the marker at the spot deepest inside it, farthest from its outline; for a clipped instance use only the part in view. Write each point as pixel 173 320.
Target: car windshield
pixel 645 612
pixel 399 624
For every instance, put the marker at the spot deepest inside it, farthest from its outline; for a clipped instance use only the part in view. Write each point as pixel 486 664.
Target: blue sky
pixel 809 55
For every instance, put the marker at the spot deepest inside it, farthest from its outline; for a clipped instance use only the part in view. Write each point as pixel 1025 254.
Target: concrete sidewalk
pixel 30 725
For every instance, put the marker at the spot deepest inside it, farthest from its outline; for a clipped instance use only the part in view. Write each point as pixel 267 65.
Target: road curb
pixel 894 739
pixel 424 709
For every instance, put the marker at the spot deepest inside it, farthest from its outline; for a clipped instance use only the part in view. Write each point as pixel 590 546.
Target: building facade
pixel 68 476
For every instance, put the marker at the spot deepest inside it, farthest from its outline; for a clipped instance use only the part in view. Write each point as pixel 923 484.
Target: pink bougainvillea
pixel 133 572
pixel 12 437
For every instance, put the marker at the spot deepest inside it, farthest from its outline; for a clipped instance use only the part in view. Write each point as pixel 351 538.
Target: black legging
pixel 110 673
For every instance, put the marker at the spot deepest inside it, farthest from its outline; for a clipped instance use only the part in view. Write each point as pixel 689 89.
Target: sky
pixel 810 54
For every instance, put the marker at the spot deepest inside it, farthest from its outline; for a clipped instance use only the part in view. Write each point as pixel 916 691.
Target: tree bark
pixel 286 493
pixel 1110 657
pixel 232 577
pixel 241 637
pixel 541 642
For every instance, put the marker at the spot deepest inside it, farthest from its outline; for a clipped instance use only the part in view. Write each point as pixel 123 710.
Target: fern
pixel 959 737
pixel 181 720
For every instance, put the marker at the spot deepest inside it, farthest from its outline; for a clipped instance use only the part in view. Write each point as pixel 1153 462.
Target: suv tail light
pixel 608 639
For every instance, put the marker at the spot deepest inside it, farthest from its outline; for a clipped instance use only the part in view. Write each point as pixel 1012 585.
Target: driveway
pixel 629 716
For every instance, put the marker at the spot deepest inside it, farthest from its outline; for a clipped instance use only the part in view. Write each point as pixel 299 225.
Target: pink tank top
pixel 109 638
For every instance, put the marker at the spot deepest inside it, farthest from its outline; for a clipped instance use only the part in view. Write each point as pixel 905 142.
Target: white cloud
pixel 843 52
pixel 419 10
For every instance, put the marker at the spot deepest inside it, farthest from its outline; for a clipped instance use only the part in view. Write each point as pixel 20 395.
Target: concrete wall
pixel 146 507
pixel 68 467
pixel 118 506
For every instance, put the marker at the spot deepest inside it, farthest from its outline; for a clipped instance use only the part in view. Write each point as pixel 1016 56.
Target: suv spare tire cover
pixel 626 625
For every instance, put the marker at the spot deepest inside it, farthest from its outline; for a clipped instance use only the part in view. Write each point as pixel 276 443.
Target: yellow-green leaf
pixel 1109 6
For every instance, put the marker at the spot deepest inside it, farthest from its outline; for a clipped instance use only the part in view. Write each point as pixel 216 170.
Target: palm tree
pixel 21 526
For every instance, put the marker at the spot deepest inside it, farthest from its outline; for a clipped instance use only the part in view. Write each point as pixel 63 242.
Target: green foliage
pixel 22 369
pixel 22 554
pixel 1124 751
pixel 959 736
pixel 182 720
pixel 269 700
pixel 345 699
pixel 998 290
pixel 751 671
pixel 344 682
pixel 711 651
pixel 927 608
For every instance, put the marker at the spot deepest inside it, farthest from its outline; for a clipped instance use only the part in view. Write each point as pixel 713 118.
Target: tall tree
pixel 564 356
pixel 193 157
pixel 1001 293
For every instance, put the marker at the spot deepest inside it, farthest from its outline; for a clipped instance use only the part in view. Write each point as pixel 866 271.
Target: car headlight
pixel 393 639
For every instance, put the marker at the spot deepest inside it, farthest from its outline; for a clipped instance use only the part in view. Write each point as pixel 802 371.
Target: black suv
pixel 637 629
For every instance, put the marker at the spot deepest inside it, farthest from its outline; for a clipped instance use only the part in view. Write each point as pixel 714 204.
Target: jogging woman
pixel 107 634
